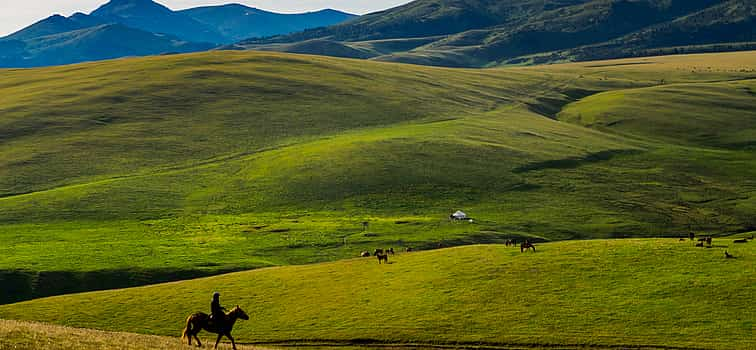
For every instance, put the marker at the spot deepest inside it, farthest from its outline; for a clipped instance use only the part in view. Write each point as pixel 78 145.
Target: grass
pixel 135 171
pixel 33 335
pixel 627 293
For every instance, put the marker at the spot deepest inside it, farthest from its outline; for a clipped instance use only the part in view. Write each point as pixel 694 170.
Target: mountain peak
pixel 130 7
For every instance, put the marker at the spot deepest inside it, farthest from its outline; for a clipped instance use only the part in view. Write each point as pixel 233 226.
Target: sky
pixel 17 14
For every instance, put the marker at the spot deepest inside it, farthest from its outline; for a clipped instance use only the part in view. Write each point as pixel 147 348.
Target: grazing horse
pixel 382 257
pixel 390 251
pixel 526 245
pixel 200 320
pixel 365 254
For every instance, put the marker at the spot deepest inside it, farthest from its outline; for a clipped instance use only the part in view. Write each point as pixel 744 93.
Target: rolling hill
pixel 567 295
pixel 485 33
pixel 131 172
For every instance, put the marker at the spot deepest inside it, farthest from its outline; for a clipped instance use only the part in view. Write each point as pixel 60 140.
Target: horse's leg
pixel 233 343
pixel 199 343
pixel 218 340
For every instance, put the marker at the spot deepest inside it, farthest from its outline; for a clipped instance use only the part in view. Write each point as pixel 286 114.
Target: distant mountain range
pixel 123 28
pixel 478 33
pixel 454 33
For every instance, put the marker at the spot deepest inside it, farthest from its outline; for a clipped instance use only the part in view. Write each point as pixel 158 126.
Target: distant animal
pixel 682 239
pixel 700 244
pixel 743 240
pixel 692 236
pixel 509 242
pixel 526 245
pixel 408 249
pixel 200 320
pixel 390 251
pixel 708 240
pixel 382 257
pixel 365 254
pixel 702 239
pixel 378 251
pixel 728 255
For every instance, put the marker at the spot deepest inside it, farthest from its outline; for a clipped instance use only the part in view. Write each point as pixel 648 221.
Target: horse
pixel 200 320
pixel 378 251
pixel 526 245
pixel 382 257
pixel 365 254
pixel 390 251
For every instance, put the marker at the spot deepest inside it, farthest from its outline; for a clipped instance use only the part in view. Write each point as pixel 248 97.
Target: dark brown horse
pixel 382 257
pixel 199 321
pixel 526 245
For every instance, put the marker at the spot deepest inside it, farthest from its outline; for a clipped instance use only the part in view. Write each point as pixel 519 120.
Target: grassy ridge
pixel 635 292
pixel 198 164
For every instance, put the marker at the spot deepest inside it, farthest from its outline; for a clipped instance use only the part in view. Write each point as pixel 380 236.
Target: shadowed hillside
pixel 486 33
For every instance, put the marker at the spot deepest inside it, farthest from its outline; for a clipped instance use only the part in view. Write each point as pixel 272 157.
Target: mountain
pixel 236 22
pixel 150 16
pixel 122 28
pixel 52 25
pixel 488 32
pixel 91 44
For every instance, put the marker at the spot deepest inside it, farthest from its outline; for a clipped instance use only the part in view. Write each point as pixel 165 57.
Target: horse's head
pixel 237 312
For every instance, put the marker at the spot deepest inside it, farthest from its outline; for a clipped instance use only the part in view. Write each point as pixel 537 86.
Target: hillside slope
pixel 239 160
pixel 569 294
pixel 485 33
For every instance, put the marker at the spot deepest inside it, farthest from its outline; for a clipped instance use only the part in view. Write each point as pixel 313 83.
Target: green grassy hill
pixel 137 171
pixel 647 293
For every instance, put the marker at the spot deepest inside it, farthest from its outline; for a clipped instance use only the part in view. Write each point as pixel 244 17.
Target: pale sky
pixel 16 14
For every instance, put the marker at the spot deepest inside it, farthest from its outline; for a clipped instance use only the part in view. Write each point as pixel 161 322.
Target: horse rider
pixel 217 312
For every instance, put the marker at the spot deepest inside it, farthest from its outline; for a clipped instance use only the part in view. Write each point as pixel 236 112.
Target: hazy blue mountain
pixel 237 22
pixel 91 44
pixel 52 25
pixel 150 16
pixel 122 28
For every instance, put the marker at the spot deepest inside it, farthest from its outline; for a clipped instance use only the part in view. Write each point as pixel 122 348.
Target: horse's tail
pixel 188 328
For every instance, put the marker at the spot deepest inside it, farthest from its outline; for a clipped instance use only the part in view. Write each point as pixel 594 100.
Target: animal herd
pixel 707 240
pixel 383 254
